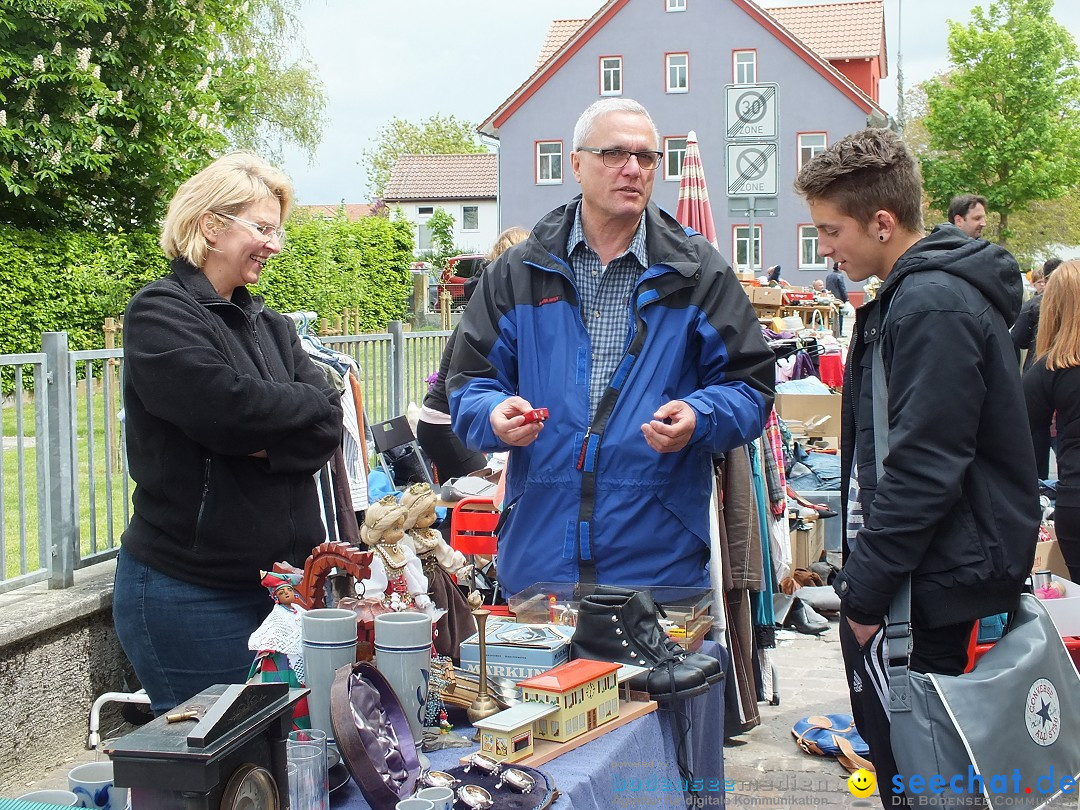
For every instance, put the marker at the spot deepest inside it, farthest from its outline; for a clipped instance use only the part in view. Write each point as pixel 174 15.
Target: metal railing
pixel 64 484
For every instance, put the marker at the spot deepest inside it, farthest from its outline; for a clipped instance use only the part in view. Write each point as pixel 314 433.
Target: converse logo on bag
pixel 1042 712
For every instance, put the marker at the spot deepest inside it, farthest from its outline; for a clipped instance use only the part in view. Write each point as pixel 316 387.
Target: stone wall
pixel 58 653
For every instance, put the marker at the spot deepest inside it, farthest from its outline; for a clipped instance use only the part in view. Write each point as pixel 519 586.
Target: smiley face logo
pixel 861 783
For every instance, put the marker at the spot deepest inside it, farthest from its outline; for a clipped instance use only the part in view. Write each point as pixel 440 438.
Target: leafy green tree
pixel 437 135
pixel 1005 121
pixel 107 105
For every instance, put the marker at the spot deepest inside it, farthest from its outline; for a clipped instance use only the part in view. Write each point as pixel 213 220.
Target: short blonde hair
pixel 228 185
pixel 1059 318
pixel 507 239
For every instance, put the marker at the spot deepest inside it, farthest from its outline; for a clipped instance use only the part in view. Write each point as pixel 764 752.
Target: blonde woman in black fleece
pixel 227 421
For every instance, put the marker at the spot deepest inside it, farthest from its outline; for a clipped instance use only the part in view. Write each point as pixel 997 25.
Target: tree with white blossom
pixel 107 105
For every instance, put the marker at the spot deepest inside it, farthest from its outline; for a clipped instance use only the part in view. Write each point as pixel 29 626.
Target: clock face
pixel 250 788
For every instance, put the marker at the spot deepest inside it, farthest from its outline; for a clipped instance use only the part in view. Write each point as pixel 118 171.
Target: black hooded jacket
pixel 958 504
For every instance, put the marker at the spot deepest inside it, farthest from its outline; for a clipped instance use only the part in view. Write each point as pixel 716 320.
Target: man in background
pixel 837 286
pixel 968 213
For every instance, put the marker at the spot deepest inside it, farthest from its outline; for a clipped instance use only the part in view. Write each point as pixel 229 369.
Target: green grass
pixel 13 532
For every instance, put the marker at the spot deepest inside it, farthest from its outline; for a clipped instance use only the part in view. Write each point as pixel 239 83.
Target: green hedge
pixel 72 280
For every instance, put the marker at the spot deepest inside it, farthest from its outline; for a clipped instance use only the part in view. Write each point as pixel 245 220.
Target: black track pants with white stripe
pixel 941 650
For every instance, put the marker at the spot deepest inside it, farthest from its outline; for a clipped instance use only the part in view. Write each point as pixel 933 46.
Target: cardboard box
pixel 1048 556
pixel 807 545
pixel 1065 611
pixel 818 413
pixel 518 651
pixel 771 296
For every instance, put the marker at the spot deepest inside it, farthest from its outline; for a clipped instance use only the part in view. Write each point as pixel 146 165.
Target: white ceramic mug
pixel 92 783
pixel 414 804
pixel 63 798
pixel 441 797
pixel 328 637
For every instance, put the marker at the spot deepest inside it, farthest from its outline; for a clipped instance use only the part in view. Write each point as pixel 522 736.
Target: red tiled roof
pixel 569 676
pixel 559 52
pixel 558 33
pixel 851 30
pixel 837 30
pixel 443 177
pixel 353 211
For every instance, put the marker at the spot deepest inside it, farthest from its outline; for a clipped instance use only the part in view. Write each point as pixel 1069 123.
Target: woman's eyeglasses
pixel 267 231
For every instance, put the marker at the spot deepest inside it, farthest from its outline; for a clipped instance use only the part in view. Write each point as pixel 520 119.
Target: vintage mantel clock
pixel 230 755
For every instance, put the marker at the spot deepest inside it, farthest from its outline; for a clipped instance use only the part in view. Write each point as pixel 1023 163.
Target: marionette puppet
pixel 440 564
pixel 277 642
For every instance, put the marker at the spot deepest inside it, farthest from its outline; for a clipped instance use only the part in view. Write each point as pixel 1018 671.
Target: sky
pixel 415 58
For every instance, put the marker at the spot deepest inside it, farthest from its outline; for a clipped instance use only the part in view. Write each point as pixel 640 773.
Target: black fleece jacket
pixel 207 383
pixel 958 504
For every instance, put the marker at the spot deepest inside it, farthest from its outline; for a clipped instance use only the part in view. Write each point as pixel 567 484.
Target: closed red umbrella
pixel 694 210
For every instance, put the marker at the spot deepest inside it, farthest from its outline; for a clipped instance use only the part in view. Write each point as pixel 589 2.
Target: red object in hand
pixel 536 415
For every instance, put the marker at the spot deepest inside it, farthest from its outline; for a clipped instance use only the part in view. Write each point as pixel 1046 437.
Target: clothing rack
pixel 786 348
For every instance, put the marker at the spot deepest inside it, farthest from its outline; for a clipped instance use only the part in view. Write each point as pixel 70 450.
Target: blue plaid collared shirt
pixel 605 300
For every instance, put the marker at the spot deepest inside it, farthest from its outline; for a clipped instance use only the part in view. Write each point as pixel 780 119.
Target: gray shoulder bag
pixel 1014 719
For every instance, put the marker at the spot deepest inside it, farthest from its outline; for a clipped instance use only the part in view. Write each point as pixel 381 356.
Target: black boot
pixel 614 628
pixel 805 619
pixel 709 666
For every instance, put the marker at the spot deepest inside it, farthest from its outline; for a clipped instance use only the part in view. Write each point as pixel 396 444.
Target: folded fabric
pixel 821 598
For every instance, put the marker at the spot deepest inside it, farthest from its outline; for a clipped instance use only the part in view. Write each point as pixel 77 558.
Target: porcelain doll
pixel 395 568
pixel 439 562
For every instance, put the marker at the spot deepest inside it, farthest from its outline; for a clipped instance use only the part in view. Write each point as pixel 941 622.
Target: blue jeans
pixel 182 638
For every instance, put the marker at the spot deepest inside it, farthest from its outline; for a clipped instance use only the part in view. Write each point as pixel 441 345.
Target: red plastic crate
pixel 977 651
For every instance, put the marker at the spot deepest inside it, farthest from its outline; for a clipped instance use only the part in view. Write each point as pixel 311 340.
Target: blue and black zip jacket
pixel 589 499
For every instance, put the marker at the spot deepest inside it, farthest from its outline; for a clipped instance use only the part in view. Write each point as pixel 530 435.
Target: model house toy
pixel 508 735
pixel 585 692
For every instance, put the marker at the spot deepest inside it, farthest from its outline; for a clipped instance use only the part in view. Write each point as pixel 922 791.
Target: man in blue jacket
pixel 638 339
pixel 956 508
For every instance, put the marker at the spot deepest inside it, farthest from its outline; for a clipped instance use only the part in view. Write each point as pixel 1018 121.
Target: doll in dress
pixel 395 568
pixel 439 563
pixel 277 642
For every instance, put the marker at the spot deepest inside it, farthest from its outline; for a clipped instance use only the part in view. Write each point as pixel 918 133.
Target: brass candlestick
pixel 484 705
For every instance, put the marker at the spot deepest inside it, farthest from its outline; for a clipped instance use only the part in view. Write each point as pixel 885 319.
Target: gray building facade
pixel 676 57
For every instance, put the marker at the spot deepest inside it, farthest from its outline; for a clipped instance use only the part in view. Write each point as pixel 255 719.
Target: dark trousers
pixel 942 650
pixel 1067 528
pixel 183 638
pixel 449 456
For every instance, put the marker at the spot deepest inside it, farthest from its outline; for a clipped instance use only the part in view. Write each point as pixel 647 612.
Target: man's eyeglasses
pixel 267 231
pixel 617 158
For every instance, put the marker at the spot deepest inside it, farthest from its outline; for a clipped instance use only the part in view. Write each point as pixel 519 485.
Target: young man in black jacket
pixel 957 506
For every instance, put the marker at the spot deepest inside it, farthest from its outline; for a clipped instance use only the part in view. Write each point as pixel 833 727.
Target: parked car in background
pixel 454 274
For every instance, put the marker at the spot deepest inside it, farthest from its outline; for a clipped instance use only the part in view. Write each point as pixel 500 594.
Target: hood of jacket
pixel 989 267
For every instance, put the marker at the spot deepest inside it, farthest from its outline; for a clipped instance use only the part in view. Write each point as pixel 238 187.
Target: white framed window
pixel 741 248
pixel 678 72
pixel 674 152
pixel 808 252
pixel 470 217
pixel 423 232
pixel 744 67
pixel 611 75
pixel 676 5
pixel 810 144
pixel 549 162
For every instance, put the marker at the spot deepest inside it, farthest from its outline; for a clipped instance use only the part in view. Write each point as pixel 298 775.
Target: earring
pixel 881 237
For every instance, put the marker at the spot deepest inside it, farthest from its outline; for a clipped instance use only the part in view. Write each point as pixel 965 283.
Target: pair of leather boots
pixel 623 626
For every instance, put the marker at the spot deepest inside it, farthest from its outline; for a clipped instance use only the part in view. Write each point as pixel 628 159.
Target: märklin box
pixel 518 651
